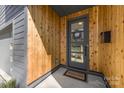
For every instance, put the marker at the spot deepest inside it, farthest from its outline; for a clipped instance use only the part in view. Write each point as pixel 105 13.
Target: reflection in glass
pixel 78 26
pixel 77 57
pixel 77 48
pixel 77 37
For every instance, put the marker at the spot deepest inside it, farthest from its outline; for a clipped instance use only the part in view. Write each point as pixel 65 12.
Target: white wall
pixel 5 55
pixel 5 52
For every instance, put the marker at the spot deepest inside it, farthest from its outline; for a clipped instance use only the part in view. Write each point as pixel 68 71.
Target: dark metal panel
pixel 63 10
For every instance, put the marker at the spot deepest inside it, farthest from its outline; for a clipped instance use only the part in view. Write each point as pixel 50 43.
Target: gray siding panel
pixel 20 29
pixel 19 53
pixel 18 59
pixel 17 15
pixel 8 12
pixel 19 48
pixel 19 42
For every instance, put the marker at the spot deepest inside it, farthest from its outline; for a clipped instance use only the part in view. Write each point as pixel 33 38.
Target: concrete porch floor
pixel 58 80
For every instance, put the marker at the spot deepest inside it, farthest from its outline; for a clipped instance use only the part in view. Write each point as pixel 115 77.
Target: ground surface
pixel 58 80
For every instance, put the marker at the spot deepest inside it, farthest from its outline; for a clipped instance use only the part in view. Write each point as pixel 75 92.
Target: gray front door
pixel 78 43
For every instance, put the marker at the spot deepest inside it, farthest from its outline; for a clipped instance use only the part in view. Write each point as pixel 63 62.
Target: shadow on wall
pixel 43 41
pixel 6 32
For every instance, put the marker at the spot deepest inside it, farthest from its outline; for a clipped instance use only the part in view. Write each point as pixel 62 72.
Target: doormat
pixel 76 74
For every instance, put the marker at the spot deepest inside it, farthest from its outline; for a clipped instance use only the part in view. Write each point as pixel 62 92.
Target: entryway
pixel 78 43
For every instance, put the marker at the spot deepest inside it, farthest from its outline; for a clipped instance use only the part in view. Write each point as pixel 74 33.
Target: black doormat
pixel 76 74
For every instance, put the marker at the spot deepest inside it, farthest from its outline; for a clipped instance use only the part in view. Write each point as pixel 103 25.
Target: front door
pixel 78 43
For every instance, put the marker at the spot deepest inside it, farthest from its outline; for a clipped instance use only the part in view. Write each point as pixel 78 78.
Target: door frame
pixel 68 43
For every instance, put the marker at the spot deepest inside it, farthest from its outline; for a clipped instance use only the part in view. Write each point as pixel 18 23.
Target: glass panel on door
pixel 77 38
pixel 77 57
pixel 78 42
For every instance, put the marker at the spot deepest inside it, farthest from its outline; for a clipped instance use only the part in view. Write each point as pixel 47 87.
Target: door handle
pixel 85 51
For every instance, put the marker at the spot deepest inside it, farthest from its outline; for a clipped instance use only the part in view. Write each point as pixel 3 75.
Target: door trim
pixel 68 44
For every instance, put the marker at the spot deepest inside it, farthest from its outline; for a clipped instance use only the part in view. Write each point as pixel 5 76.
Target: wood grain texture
pixel 111 55
pixel 107 58
pixel 43 41
pixel 47 41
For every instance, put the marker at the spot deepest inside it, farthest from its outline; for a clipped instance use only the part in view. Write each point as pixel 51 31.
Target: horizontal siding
pixel 19 48
pixel 7 12
pixel 16 14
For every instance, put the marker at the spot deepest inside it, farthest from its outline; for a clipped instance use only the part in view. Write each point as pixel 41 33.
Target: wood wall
pixel 43 41
pixel 93 35
pixel 107 58
pixel 111 55
pixel 47 41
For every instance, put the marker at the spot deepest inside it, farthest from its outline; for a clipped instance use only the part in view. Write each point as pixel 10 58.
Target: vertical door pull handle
pixel 85 50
